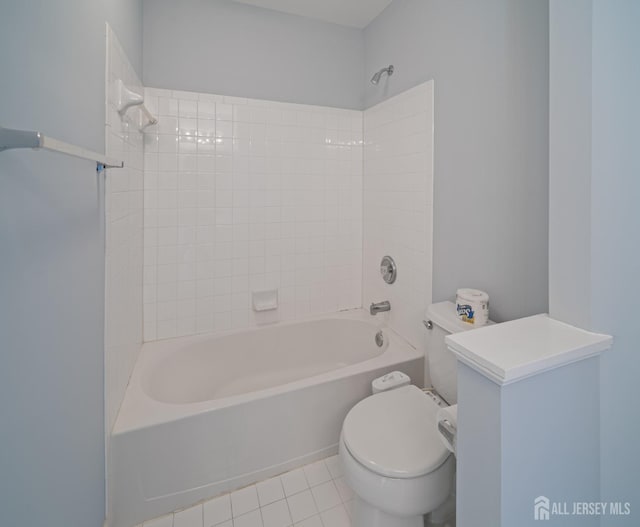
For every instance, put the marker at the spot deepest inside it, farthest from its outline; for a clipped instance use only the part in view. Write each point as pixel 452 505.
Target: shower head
pixel 376 78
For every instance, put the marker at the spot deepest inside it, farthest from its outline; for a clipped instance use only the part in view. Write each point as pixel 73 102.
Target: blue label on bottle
pixel 466 313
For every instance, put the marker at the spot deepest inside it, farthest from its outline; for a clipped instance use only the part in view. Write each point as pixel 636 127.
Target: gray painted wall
pixel 125 18
pixel 489 60
pixel 611 47
pixel 570 161
pixel 52 261
pixel 615 252
pixel 222 47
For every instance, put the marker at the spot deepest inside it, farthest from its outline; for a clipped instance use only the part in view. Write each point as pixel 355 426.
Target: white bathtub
pixel 208 414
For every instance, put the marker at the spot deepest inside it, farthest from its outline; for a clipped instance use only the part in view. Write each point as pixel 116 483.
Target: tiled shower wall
pixel 398 206
pixel 123 224
pixel 245 195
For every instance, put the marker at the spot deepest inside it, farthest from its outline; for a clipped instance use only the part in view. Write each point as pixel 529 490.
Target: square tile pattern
pixel 243 195
pixel 398 218
pixel 123 233
pixel 315 495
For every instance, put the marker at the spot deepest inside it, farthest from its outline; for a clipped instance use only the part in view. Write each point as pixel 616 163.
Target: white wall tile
pixel 124 235
pixel 398 218
pixel 266 194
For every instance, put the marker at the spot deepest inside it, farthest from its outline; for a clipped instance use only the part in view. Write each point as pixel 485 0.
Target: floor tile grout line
pixel 286 497
pixel 287 503
pixel 260 508
pixel 315 502
pixel 321 520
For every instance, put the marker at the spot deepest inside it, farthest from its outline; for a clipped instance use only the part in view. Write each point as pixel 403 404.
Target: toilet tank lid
pixel 444 315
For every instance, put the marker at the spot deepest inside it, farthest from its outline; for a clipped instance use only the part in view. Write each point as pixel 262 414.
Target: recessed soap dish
pixel 265 300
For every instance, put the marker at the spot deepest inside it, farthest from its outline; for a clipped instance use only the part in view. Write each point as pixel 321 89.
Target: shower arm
pixel 376 77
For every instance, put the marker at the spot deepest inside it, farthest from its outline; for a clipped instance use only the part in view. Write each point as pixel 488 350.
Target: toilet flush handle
pixel 447 430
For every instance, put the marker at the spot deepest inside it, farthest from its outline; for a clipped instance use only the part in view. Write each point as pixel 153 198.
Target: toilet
pixel 392 456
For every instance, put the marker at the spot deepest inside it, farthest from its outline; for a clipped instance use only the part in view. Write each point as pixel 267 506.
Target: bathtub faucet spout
pixel 374 309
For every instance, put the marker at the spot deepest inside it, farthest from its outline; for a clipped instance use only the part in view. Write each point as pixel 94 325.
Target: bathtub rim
pixel 139 410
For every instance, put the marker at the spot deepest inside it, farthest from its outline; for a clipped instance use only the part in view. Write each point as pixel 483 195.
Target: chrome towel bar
pixel 10 139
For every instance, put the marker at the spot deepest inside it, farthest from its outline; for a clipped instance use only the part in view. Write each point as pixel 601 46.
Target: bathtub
pixel 208 414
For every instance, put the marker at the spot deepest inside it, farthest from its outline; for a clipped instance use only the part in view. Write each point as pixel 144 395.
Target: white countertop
pixel 511 351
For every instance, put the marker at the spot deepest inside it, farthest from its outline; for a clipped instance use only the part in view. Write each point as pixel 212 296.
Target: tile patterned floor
pixel 315 495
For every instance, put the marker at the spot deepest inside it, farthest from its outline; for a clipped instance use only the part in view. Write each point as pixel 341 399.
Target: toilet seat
pixel 393 433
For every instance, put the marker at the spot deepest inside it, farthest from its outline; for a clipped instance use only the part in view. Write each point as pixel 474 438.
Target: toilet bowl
pixel 392 456
pixel 393 459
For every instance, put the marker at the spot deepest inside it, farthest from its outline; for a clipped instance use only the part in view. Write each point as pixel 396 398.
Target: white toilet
pixel 392 456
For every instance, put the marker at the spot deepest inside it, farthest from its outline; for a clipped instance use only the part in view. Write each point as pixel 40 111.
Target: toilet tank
pixel 440 363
